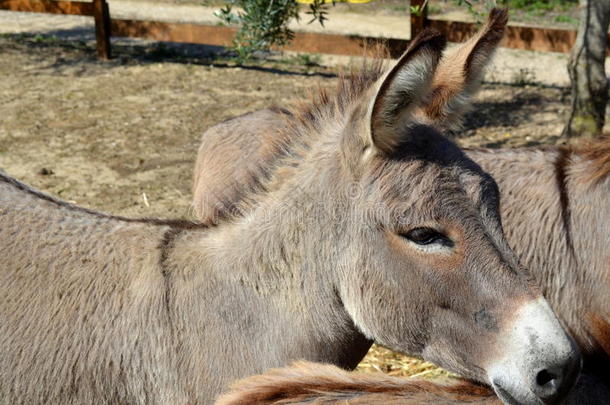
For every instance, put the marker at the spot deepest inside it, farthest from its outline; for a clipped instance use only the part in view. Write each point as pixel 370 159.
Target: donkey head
pixel 434 275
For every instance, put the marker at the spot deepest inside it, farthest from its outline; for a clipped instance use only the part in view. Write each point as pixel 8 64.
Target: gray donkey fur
pixel 376 228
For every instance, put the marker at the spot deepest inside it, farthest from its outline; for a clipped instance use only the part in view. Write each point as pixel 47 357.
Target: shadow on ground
pixel 74 48
pixel 504 114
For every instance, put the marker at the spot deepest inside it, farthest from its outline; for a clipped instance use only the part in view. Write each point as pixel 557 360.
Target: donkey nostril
pixel 553 383
pixel 545 378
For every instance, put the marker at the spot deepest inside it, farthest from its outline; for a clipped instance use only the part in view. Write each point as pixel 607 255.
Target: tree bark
pixel 587 72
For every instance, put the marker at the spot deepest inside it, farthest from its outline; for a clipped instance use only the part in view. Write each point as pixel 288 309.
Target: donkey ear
pixel 402 89
pixel 460 72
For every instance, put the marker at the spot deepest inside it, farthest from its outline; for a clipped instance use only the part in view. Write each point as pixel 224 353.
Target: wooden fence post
pixel 419 20
pixel 102 28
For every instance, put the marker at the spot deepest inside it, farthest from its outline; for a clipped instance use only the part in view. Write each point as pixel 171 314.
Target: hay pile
pixel 380 359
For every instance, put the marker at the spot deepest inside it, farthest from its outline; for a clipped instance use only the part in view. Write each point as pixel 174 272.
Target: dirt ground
pixel 121 136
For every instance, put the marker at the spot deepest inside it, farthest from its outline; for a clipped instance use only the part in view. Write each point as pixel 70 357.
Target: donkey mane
pixel 301 121
pixel 173 223
pixel 598 153
pixel 349 88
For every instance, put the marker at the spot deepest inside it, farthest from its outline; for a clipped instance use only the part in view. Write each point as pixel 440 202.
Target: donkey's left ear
pixel 401 91
pixel 460 72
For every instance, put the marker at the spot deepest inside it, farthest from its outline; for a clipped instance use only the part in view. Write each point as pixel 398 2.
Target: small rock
pixel 46 172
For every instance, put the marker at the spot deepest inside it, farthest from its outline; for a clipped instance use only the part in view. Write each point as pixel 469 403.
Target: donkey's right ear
pixel 401 90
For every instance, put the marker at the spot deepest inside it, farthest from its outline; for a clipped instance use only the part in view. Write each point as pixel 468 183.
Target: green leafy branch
pixel 418 10
pixel 264 23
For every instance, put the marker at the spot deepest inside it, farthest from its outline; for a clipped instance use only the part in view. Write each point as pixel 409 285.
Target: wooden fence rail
pixel 49 6
pixel 520 37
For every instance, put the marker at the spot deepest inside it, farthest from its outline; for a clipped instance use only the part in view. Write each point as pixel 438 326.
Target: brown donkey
pixel 318 384
pixel 376 228
pixel 321 384
pixel 546 205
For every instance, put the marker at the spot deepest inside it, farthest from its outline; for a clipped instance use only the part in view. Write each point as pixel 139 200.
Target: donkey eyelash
pixel 427 238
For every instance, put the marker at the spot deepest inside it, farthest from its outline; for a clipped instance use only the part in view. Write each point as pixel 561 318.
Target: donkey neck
pixel 590 214
pixel 199 303
pixel 280 251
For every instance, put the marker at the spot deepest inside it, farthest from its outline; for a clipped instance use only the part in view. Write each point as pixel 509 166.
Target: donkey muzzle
pixel 542 362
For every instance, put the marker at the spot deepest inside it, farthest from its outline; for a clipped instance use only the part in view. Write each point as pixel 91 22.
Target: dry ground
pixel 122 136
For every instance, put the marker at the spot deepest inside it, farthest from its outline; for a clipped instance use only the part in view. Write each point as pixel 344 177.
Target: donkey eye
pixel 427 236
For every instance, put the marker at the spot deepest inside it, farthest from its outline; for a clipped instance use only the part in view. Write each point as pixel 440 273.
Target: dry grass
pixel 380 359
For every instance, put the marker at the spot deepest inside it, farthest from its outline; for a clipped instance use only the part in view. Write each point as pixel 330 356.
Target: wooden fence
pixel 520 37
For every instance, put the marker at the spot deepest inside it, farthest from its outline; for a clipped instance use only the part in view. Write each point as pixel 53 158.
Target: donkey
pixel 555 208
pixel 376 228
pixel 321 384
pixel 550 201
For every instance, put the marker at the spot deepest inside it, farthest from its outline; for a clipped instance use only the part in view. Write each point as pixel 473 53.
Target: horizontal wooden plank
pixel 518 37
pixel 48 6
pixel 529 38
pixel 223 36
pixel 173 32
pixel 344 44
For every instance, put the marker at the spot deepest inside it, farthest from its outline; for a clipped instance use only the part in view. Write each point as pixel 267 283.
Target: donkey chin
pixel 541 363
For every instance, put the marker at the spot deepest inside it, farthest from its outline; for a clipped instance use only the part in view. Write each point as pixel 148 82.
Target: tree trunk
pixel 587 73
